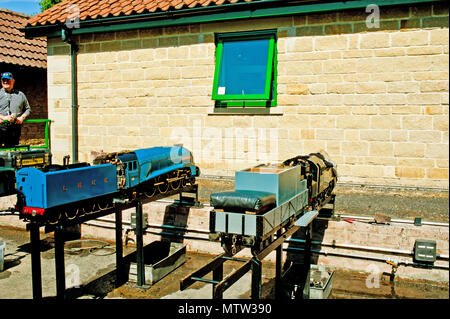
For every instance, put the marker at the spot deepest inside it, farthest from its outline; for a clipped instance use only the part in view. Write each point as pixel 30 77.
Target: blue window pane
pixel 243 68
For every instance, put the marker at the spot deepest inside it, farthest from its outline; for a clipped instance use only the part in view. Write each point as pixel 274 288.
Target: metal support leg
pixel 119 248
pixel 139 246
pixel 218 276
pixel 36 275
pixel 256 278
pixel 59 262
pixel 307 260
pixel 278 269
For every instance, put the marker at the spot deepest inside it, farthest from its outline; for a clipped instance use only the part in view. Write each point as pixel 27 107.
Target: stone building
pixel 27 60
pixel 246 82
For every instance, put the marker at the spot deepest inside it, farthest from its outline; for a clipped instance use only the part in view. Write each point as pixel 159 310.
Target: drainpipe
pixel 66 37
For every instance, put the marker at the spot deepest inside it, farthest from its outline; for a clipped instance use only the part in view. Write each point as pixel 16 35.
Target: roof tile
pixel 94 9
pixel 14 48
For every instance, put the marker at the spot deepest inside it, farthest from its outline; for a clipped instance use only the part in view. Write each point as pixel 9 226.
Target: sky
pixel 30 7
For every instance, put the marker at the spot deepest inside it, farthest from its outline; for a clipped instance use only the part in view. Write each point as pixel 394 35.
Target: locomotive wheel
pixel 54 218
pixel 80 211
pixel 163 185
pixel 175 184
pixel 88 208
pixel 150 190
pixel 103 205
pixel 71 213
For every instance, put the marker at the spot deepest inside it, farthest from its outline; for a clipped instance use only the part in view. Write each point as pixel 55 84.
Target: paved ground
pixel 90 271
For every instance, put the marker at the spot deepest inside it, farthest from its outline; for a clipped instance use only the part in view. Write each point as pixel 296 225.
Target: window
pixel 245 73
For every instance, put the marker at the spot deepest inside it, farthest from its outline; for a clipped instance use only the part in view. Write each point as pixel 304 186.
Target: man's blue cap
pixel 7 75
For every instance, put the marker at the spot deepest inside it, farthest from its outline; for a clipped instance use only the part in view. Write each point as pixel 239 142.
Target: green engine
pixel 10 161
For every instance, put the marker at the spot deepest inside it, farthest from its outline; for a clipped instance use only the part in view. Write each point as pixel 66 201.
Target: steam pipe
pixel 73 54
pixel 326 253
pixel 348 246
pixel 66 37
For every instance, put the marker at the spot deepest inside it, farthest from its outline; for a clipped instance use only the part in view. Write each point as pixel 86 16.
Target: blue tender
pixel 51 189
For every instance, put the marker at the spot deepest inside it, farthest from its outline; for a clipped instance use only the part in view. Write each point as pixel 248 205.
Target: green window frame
pixel 265 98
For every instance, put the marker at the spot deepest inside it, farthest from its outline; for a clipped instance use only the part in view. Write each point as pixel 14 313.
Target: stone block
pixel 412 63
pixel 375 135
pixel 429 50
pixel 424 98
pixel 416 122
pixel 307 134
pixel 399 136
pixel 351 135
pixel 370 87
pixel 409 149
pixel 389 52
pixel 434 86
pixel 381 149
pixel 310 30
pixel 375 65
pixel 339 66
pixel 403 87
pixel 329 134
pixel 433 22
pixel 424 136
pixel 374 40
pixel 297 89
pixel 440 122
pixel 437 150
pixel 439 36
pixel 340 88
pixel 329 43
pixel 409 38
pixel 340 28
pixel 410 172
pixel 304 44
pixel 321 18
pixel 437 173
pixel 368 170
pixel 353 121
pixel 355 148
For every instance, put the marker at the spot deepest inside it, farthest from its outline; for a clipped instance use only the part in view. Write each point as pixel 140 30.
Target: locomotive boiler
pixel 66 192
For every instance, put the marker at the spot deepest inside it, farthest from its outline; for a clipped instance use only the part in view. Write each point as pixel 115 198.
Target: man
pixel 14 109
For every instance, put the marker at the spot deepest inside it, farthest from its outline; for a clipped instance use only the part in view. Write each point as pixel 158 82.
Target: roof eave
pixel 247 10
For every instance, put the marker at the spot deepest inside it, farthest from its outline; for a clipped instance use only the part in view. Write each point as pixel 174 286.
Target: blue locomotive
pixel 70 191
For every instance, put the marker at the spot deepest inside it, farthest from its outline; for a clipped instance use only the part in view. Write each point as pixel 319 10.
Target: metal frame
pixel 33 227
pixel 221 283
pixel 46 134
pixel 239 100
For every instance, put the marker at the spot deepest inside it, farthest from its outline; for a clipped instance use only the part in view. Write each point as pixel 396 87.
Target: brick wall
pixel 375 99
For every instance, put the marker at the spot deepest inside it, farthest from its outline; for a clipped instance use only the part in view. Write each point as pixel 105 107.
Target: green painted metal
pixel 73 54
pixel 46 137
pixel 219 49
pixel 208 14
